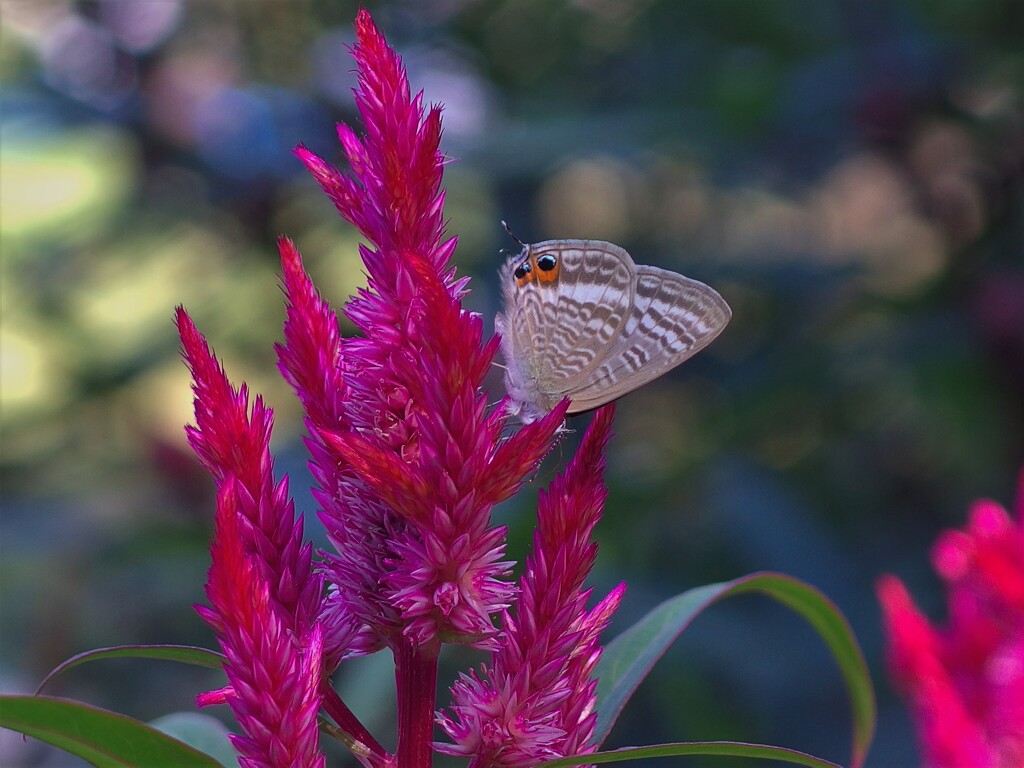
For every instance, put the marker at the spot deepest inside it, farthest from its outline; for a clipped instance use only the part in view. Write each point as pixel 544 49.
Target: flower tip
pixel 213 698
pixel 601 614
pixel 603 420
pixel 890 590
pixel 988 520
pixel 291 261
pixel 182 319
pixel 366 29
pixel 884 580
pixel 952 555
pixel 193 344
pixel 313 162
pixel 308 157
pixel 618 593
pixel 558 413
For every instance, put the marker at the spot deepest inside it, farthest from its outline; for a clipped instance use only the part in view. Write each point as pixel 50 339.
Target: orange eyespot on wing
pixel 546 268
pixel 524 273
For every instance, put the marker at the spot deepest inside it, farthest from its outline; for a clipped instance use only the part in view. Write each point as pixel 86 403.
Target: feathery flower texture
pixel 964 683
pixel 534 701
pixel 263 594
pixel 408 463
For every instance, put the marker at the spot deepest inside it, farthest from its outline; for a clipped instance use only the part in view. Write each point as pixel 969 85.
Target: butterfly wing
pixel 671 319
pixel 561 330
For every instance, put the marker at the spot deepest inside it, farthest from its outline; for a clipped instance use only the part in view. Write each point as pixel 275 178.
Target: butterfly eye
pixel 547 262
pixel 522 270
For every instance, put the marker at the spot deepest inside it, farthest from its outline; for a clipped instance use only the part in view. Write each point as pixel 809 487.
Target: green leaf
pixel 715 748
pixel 104 739
pixel 187 654
pixel 629 658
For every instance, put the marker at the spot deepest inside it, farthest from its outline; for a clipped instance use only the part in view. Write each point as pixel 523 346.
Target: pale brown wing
pixel 563 330
pixel 671 319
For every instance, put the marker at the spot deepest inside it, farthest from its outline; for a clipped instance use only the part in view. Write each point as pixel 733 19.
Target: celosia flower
pixel 964 683
pixel 274 676
pixel 264 597
pixel 408 464
pixel 534 701
pixel 234 445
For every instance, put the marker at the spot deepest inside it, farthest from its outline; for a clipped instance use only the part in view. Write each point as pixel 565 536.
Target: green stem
pixel 352 732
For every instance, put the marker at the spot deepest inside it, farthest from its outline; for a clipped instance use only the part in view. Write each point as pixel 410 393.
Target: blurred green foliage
pixel 847 174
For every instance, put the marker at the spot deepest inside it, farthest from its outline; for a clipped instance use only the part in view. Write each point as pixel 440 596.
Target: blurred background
pixel 847 174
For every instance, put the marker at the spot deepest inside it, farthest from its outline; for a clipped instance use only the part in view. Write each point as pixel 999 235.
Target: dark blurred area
pixel 847 174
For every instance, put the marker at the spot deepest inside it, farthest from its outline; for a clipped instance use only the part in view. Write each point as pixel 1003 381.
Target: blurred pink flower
pixel 964 683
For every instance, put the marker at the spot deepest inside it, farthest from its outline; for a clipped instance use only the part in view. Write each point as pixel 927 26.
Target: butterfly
pixel 582 320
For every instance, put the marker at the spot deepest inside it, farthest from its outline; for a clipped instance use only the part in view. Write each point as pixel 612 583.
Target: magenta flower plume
pixel 535 700
pixel 234 444
pixel 964 683
pixel 264 596
pixel 274 679
pixel 407 461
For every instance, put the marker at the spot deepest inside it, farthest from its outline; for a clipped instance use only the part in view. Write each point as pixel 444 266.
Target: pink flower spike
pixel 233 441
pixel 407 461
pixel 964 683
pixel 311 361
pixel 394 194
pixel 274 675
pixel 408 464
pixel 535 700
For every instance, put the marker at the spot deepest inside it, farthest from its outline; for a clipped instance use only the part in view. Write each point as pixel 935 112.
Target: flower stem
pixel 354 734
pixel 416 681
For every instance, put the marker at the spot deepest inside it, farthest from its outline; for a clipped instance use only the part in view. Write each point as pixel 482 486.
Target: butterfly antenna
pixel 512 234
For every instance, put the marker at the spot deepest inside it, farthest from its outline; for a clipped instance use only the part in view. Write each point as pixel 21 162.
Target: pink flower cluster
pixel 964 682
pixel 535 699
pixel 408 463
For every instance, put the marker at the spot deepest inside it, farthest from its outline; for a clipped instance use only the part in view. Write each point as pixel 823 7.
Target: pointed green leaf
pixel 186 654
pixel 714 748
pixel 629 657
pixel 104 739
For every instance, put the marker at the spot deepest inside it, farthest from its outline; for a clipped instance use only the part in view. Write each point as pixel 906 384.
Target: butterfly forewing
pixel 568 325
pixel 671 319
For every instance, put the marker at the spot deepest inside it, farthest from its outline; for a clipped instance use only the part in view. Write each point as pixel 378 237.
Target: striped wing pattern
pixel 604 328
pixel 563 329
pixel 671 320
